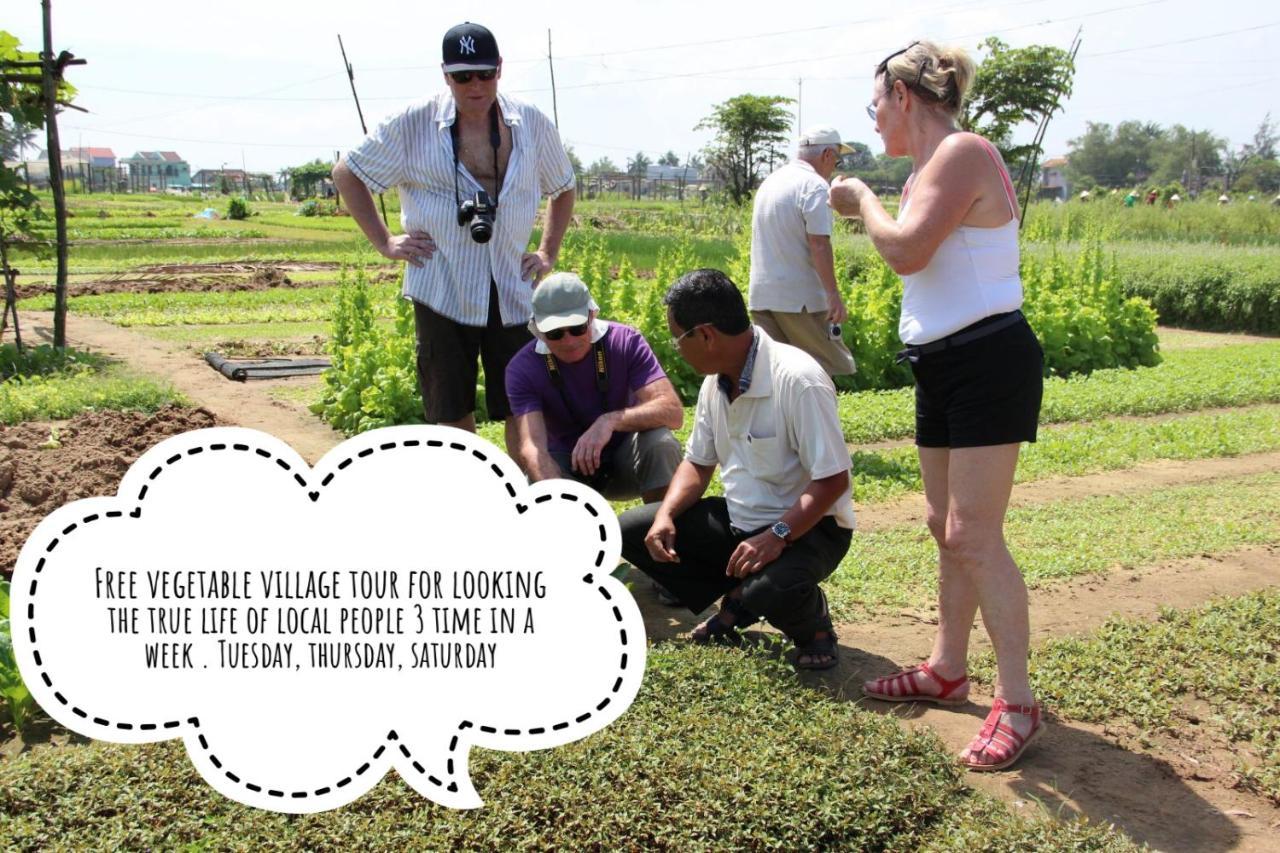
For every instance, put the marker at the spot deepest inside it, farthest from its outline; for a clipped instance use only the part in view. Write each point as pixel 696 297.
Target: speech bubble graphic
pixel 304 630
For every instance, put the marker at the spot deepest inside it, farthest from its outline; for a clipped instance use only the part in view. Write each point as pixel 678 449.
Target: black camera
pixel 479 213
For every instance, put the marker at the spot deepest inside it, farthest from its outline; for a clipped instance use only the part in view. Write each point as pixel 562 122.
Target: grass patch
pixel 204 334
pixel 720 751
pixel 56 397
pixel 897 567
pixel 1148 674
pixel 307 304
pixel 1087 448
pixel 1186 381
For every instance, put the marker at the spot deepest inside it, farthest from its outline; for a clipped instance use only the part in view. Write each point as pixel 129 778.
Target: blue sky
pixel 261 83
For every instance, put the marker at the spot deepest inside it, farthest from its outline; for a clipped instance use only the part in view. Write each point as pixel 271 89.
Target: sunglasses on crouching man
pixel 464 77
pixel 573 331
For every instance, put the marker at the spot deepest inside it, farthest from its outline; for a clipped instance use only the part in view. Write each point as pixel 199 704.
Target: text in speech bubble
pixel 304 630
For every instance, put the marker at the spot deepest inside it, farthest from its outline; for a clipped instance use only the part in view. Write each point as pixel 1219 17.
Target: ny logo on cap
pixel 467 44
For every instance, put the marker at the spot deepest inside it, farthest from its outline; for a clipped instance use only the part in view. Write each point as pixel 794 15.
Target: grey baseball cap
pixel 562 299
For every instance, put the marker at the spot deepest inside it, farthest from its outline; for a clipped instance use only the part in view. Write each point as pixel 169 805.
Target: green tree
pixel 1012 86
pixel 602 166
pixel 751 130
pixel 1188 156
pixel 669 159
pixel 22 106
pixel 574 160
pixel 638 166
pixel 304 179
pixel 1119 157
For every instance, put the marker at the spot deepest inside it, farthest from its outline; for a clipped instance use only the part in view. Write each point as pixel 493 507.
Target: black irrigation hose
pixel 242 370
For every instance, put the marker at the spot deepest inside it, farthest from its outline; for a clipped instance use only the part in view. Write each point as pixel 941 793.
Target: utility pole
pixel 351 76
pixel 555 109
pixel 1027 177
pixel 799 105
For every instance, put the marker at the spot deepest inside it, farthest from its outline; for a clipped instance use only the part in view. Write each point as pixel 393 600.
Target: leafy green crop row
pixel 1086 448
pixel 62 395
pixel 1187 380
pixel 721 750
pixel 897 567
pixel 1157 676
pixel 1224 289
pixel 17 699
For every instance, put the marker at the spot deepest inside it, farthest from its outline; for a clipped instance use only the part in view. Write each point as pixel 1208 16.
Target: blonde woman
pixel 979 377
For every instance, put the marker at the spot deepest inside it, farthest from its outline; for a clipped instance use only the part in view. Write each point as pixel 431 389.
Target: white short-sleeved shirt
pixel 790 205
pixel 774 439
pixel 413 152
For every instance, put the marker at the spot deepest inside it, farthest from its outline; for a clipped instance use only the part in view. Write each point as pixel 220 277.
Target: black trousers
pixel 784 593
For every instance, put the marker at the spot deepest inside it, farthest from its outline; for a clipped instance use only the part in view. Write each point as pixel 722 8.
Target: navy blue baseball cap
pixel 470 47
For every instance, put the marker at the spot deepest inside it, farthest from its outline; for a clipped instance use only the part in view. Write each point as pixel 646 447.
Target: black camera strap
pixel 495 140
pixel 602 382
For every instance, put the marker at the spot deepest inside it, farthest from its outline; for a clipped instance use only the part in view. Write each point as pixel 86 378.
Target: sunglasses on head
pixel 883 67
pixel 574 331
pixel 464 77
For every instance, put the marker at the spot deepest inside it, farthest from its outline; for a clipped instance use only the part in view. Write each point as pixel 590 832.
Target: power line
pixel 1186 41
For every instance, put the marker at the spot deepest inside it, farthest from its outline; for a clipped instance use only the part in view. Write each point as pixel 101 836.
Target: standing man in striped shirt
pixel 471 167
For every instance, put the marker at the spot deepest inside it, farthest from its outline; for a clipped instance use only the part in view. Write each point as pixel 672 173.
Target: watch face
pixel 781 529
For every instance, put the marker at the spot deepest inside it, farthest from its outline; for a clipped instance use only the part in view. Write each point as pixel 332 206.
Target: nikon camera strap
pixel 602 383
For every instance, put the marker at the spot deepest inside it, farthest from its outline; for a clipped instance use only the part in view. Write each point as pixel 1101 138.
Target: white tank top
pixel 973 274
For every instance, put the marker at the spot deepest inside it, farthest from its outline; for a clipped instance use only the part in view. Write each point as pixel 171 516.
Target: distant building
pixel 93 169
pixel 225 180
pixel 157 171
pixel 1053 179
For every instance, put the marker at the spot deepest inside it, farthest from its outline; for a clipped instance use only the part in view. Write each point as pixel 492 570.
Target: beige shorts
pixel 810 331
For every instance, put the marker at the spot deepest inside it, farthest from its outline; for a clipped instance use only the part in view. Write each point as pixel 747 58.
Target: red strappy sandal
pixel 998 741
pixel 903 687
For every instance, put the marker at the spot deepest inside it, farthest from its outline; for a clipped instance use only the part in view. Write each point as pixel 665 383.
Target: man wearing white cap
pixel 590 400
pixel 792 294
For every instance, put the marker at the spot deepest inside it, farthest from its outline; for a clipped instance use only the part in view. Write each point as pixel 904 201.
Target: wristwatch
pixel 782 530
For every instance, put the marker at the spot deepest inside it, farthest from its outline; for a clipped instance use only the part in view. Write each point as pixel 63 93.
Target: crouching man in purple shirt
pixel 590 400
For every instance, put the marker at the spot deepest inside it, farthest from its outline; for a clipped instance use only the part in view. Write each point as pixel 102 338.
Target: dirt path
pixel 1148 476
pixel 241 403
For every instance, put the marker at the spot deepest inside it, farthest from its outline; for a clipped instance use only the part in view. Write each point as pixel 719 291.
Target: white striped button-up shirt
pixel 413 152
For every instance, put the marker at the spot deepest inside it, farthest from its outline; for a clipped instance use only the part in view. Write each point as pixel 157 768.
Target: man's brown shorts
pixel 808 330
pixel 447 353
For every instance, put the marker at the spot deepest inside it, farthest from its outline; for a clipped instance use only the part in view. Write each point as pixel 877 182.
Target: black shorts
pixel 982 393
pixel 447 352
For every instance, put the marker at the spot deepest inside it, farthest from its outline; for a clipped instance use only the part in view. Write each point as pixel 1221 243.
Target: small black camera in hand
pixel 479 213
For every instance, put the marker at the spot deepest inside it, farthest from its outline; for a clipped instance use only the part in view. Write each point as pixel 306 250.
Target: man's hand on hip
pixel 590 446
pixel 754 554
pixel 535 265
pixel 414 247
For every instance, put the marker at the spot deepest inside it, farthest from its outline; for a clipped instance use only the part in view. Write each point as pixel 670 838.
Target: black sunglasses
pixel 464 77
pixel 574 331
pixel 883 67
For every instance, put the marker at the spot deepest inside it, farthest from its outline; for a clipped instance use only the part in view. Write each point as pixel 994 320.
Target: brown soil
pixel 181 278
pixel 43 466
pixel 240 403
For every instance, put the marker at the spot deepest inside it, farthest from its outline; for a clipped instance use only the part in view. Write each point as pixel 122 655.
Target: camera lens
pixel 481 230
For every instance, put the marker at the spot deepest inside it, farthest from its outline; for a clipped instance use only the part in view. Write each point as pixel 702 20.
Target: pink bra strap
pixel 1004 177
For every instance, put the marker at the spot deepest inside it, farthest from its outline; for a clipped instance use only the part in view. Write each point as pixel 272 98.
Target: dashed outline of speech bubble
pixel 392 738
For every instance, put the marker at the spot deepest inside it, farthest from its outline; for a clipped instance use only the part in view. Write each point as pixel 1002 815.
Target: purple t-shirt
pixel 631 366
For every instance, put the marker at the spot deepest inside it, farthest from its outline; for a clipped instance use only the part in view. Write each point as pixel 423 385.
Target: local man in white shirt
pixel 766 416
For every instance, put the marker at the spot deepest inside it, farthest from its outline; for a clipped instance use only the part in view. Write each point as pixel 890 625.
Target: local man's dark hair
pixel 707 296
